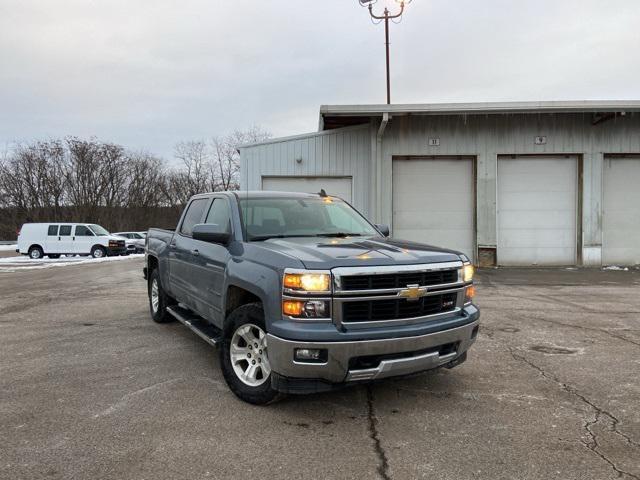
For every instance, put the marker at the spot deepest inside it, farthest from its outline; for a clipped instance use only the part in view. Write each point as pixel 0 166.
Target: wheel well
pixel 97 245
pixel 237 296
pixel 152 264
pixel 34 246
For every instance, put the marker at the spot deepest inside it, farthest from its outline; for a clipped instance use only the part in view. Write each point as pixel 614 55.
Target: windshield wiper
pixel 339 234
pixel 260 238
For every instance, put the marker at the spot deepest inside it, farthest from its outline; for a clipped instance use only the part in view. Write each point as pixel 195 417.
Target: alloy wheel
pixel 155 295
pixel 248 352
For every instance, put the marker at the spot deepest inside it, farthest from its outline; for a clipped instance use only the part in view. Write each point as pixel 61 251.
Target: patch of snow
pixel 616 268
pixel 13 264
pixel 8 248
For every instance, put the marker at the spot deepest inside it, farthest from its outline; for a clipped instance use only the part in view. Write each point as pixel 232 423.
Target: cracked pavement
pixel 91 388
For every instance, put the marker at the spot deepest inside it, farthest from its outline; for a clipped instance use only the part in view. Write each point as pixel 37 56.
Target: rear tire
pixel 98 252
pixel 159 300
pixel 243 356
pixel 36 253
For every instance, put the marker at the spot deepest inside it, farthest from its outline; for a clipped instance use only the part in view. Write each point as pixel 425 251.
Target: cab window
pixel 83 231
pixel 219 214
pixel 193 215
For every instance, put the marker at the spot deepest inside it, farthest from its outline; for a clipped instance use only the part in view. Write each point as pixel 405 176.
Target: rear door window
pixel 65 230
pixel 53 231
pixel 193 215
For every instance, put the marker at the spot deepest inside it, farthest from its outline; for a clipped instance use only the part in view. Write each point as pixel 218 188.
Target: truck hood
pixel 114 237
pixel 326 253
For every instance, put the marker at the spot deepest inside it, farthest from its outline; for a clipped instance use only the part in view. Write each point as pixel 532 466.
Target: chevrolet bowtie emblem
pixel 412 292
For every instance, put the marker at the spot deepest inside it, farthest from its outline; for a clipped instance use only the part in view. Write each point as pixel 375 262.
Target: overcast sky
pixel 149 73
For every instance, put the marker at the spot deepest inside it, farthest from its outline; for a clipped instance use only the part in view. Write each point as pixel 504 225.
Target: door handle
pixel 172 245
pixel 195 252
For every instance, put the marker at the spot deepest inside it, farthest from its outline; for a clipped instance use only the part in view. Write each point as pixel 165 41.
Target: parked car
pixel 134 243
pixel 303 294
pixel 55 239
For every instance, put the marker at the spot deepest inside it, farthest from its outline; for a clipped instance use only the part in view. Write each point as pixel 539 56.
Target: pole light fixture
pixel 385 17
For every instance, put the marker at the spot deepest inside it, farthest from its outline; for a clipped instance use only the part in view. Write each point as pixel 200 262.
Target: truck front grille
pixel 397 309
pixel 398 280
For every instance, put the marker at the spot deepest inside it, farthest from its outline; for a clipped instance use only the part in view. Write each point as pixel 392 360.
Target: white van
pixel 55 239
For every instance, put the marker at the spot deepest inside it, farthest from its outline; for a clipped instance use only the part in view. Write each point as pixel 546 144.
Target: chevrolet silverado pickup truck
pixel 303 294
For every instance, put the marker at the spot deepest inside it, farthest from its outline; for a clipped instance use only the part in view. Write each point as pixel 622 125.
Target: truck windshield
pixel 98 230
pixel 266 218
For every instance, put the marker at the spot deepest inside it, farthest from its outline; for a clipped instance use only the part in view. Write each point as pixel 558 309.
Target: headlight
pixel 307 282
pixel 306 308
pixel 467 273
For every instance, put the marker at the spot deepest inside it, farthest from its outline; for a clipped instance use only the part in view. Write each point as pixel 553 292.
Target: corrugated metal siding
pixel 352 151
pixel 487 136
pixel 340 152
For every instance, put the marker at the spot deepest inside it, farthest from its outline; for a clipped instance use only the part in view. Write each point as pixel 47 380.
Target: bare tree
pixel 225 164
pixel 195 157
pixel 88 180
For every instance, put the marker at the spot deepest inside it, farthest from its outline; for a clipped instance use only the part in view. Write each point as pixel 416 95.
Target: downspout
pixel 383 126
pixel 377 190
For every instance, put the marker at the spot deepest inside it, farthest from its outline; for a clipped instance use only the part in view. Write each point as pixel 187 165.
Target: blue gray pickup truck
pixel 302 294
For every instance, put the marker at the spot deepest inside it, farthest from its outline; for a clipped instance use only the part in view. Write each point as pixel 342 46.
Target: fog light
pixel 314 355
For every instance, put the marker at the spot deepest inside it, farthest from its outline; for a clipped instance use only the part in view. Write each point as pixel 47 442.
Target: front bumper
pixel 383 358
pixel 114 251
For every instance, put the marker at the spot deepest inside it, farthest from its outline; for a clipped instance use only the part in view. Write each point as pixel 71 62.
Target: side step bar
pixel 210 334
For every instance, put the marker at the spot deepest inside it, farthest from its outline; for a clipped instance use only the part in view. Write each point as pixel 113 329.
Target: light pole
pixel 386 16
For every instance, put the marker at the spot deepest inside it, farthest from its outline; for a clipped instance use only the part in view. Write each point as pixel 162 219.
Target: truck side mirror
pixel 210 232
pixel 383 229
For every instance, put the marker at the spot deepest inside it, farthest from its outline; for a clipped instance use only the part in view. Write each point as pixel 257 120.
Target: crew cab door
pixel 181 260
pixel 210 260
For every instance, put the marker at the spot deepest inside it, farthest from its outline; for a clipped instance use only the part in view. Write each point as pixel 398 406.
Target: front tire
pixel 244 356
pixel 159 300
pixel 98 252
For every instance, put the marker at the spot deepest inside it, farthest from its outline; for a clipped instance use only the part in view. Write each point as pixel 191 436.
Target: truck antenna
pixel 322 193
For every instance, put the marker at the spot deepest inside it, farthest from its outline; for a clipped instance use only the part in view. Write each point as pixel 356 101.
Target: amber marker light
pixel 469 293
pixel 292 308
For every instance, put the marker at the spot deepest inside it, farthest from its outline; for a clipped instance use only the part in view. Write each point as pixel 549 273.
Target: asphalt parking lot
pixel 91 388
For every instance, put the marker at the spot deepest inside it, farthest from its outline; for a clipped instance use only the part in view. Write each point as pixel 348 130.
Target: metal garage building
pixel 533 183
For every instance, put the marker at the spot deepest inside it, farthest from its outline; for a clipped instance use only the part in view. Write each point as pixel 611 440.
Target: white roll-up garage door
pixel 621 211
pixel 338 186
pixel 537 199
pixel 433 202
